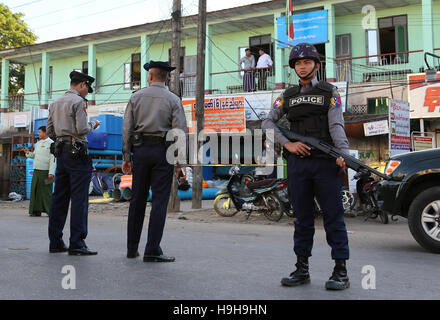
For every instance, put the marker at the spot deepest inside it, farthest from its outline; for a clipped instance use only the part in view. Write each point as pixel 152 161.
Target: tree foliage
pixel 14 33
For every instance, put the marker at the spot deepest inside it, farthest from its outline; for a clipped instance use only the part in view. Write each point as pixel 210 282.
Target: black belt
pixel 67 146
pixel 153 138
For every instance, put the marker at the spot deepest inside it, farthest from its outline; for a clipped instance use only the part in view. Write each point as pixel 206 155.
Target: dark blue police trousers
pixel 150 169
pixel 317 177
pixel 72 180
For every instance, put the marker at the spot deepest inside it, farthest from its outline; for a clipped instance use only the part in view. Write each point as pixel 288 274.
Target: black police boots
pixel 339 278
pixel 300 275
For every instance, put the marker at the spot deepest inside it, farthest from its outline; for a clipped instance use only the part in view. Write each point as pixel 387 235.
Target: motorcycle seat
pixel 261 184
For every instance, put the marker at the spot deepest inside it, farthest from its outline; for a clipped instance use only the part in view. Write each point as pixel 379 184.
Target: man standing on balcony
pixel 264 63
pixel 42 178
pixel 247 64
pixel 313 109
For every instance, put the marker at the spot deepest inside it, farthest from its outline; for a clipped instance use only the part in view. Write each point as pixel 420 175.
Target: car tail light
pixel 391 166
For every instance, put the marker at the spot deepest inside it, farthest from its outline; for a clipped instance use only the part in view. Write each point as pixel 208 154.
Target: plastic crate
pixel 97 140
pixel 102 141
pixel 110 124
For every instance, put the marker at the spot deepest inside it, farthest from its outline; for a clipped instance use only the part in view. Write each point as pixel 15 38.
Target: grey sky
pixel 57 19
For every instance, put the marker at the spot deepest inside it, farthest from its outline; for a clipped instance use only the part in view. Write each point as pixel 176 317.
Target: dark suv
pixel 413 192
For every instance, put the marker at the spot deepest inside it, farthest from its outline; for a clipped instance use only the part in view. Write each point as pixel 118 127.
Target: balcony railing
pixel 381 67
pixel 249 80
pixel 16 103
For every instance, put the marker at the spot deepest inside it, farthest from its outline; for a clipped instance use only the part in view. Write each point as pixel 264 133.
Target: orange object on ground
pixel 126 182
pixel 205 184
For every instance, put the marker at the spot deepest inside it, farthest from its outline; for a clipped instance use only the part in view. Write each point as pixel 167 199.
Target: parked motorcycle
pixel 242 194
pixel 348 201
pixel 282 191
pixel 366 188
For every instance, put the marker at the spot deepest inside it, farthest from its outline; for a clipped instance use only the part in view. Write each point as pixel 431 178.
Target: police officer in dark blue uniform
pixel 150 114
pixel 313 108
pixel 68 126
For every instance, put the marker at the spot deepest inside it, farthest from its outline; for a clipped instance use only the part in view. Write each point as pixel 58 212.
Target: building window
pixel 182 59
pixel 50 81
pixel 85 69
pixel 391 37
pixel 377 105
pixel 127 76
pixel 372 47
pixel 264 42
pixel 135 71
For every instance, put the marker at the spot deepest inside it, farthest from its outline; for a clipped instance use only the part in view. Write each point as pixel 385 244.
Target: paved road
pixel 214 261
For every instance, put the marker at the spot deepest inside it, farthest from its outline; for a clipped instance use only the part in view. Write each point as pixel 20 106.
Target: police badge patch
pixel 336 99
pixel 278 102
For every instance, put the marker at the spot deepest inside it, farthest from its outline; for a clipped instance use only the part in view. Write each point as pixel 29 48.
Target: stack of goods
pixel 109 134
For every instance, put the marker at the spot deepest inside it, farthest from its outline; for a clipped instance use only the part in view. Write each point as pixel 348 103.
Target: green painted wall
pixel 225 50
pixel 352 24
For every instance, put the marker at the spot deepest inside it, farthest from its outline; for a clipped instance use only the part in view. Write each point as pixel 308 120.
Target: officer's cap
pixel 82 77
pixel 159 64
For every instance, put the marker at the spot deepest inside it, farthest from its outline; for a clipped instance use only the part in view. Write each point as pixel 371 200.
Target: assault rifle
pixel 334 152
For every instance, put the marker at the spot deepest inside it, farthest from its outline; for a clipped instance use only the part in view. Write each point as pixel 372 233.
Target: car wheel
pixel 424 219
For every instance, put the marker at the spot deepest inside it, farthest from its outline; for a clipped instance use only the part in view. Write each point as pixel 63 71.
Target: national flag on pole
pixel 289 21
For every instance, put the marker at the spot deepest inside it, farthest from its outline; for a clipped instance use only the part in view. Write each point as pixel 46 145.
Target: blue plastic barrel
pixel 29 175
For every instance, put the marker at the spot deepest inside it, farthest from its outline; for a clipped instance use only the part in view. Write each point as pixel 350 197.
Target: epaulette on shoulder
pixel 291 91
pixel 323 85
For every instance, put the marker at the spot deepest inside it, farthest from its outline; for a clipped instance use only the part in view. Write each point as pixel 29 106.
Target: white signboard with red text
pixel 400 133
pixel 423 97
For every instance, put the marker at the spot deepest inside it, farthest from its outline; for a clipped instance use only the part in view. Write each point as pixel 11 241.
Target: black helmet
pixel 303 51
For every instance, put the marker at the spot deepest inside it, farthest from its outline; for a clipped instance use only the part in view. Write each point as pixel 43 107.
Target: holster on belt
pixel 57 147
pixel 138 139
pixel 79 150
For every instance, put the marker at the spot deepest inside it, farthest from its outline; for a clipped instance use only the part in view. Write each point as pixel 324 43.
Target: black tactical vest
pixel 308 112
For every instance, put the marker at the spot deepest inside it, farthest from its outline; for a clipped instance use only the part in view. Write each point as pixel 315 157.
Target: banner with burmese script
pixel 221 113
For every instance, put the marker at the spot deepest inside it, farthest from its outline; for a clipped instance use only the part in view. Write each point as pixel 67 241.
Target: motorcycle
pixel 242 193
pixel 282 191
pixel 366 188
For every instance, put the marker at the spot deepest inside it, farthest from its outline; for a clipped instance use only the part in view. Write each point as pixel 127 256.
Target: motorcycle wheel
pixel 224 206
pixel 348 200
pixel 288 211
pixel 274 212
pixel 383 217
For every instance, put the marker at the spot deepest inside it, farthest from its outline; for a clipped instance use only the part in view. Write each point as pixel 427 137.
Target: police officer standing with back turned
pixel 313 109
pixel 150 114
pixel 68 126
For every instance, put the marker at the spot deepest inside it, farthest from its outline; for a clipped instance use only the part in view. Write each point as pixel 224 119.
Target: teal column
pixel 208 60
pixel 330 46
pixel 280 81
pixel 92 72
pixel 145 57
pixel 428 29
pixel 5 85
pixel 45 78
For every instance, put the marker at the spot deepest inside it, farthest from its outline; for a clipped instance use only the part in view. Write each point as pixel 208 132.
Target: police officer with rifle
pixel 314 109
